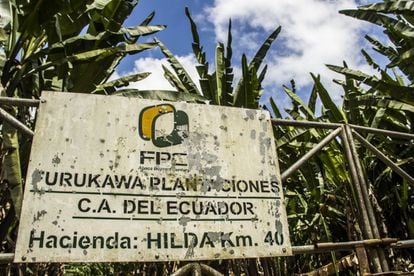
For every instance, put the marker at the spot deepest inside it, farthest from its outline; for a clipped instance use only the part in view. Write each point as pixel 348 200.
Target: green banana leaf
pixel 164 95
pixel 179 69
pixel 255 63
pixel 335 114
pixel 110 87
pixel 295 98
pixel 403 93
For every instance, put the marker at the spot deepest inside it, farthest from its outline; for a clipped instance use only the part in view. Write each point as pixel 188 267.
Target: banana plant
pixel 387 101
pixel 58 45
pixel 384 100
pixel 316 202
pixel 217 87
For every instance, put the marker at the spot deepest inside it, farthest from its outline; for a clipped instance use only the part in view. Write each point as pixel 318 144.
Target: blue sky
pixel 313 34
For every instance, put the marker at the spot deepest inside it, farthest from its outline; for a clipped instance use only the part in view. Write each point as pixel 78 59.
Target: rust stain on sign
pixel 120 179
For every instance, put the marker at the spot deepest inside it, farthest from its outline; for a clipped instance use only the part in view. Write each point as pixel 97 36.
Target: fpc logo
pixel 151 129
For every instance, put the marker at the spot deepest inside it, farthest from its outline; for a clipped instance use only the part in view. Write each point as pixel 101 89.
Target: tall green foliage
pixel 317 194
pixel 58 45
pixel 217 86
pixel 76 45
pixel 382 100
pixel 387 102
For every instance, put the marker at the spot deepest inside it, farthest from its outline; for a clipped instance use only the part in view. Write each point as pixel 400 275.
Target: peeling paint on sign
pixel 121 179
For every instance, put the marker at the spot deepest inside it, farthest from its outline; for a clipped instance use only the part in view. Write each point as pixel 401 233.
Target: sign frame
pixel 172 154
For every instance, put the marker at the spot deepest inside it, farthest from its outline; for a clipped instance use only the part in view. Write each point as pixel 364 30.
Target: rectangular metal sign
pixel 124 179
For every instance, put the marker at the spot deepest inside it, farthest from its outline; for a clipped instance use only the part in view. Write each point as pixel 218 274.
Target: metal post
pixel 296 250
pixel 184 270
pixel 196 269
pixel 309 154
pixel 365 195
pixel 384 132
pixel 384 158
pixel 306 124
pixel 19 102
pixel 312 124
pixel 403 244
pixel 371 214
pixel 15 123
pixel 210 271
pixel 6 258
pixel 340 246
pixel 363 219
pixel 362 259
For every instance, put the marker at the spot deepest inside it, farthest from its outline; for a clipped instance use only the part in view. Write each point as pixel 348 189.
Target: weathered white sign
pixel 125 179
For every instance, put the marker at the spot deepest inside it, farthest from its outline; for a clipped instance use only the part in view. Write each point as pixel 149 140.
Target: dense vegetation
pixel 321 202
pixel 53 50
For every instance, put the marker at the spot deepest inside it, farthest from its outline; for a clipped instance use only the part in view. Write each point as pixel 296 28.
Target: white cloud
pixel 157 81
pixel 313 34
